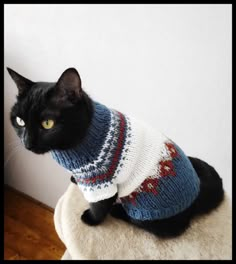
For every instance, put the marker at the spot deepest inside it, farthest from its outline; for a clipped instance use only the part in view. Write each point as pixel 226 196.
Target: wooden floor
pixel 29 231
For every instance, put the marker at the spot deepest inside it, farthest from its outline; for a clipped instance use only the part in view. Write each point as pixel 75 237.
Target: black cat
pixel 65 106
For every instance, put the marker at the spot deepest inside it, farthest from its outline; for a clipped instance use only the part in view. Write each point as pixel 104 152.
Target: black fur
pixel 98 211
pixel 73 179
pixel 71 108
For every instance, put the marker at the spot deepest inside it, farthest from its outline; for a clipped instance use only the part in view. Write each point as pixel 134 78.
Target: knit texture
pixel 152 175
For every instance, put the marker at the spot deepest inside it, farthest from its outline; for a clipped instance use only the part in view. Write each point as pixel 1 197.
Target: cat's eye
pixel 20 121
pixel 48 124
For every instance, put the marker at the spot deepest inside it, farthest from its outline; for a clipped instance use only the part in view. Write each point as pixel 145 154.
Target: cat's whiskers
pixel 13 142
pixel 12 153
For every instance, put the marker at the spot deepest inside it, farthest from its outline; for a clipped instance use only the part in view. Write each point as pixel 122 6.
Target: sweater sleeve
pixel 95 193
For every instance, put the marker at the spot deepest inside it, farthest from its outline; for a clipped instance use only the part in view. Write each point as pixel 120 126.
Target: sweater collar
pixel 91 145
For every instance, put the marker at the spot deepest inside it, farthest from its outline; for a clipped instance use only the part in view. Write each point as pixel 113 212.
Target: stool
pixel 208 238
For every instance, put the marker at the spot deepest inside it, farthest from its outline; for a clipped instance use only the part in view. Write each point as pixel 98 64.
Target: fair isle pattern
pixel 101 171
pixel 152 176
pixel 98 160
pixel 170 191
pixel 165 167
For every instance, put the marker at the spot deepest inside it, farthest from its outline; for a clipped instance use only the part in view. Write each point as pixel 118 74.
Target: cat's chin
pixel 43 151
pixel 39 151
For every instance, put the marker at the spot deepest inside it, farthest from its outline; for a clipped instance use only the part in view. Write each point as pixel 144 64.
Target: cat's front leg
pixel 73 180
pixel 98 211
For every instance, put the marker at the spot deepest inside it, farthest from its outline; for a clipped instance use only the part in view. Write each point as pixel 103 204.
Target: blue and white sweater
pixel 152 176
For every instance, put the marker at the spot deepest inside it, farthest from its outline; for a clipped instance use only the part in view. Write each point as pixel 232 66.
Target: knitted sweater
pixel 152 176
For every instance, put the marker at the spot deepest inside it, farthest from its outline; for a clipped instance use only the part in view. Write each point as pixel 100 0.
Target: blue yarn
pixel 175 193
pixel 90 147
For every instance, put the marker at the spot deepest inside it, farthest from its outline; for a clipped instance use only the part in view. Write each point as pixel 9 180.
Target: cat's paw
pixel 118 211
pixel 73 180
pixel 88 218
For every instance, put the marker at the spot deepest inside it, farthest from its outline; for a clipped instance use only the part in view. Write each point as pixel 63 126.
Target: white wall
pixel 167 64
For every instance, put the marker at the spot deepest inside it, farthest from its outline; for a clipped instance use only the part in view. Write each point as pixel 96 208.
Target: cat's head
pixel 48 115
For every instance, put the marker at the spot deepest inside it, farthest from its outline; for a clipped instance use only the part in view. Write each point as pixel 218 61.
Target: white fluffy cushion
pixel 209 237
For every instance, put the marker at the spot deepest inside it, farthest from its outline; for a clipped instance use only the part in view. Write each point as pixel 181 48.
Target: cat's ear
pixel 21 82
pixel 70 83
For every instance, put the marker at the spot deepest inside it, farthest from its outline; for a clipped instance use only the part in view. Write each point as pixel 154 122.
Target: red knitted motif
pixel 166 168
pixel 131 198
pixel 172 149
pixel 149 185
